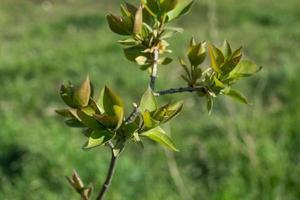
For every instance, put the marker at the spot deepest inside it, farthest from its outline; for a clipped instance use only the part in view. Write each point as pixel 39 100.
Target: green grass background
pixel 240 152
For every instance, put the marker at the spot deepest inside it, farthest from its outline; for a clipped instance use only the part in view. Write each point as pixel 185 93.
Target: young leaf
pixel 149 122
pixel 226 49
pixel 108 99
pixel 88 120
pixel 159 135
pixel 244 68
pixel 182 8
pixel 83 93
pixel 117 25
pixel 173 110
pixel 97 138
pixel 141 60
pixel 237 96
pixel 74 123
pixel 165 61
pixel 106 120
pixel 66 93
pixel 138 21
pixel 167 5
pixel 119 113
pixel 148 101
pixel 196 54
pixel 132 53
pixel 213 59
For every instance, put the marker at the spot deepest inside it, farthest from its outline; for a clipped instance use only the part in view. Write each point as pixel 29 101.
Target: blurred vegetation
pixel 240 152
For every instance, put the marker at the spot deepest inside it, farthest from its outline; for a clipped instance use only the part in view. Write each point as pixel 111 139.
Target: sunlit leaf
pixel 108 99
pixel 82 94
pixel 182 8
pixel 138 21
pixel 196 54
pixel 97 138
pixel 149 122
pixel 88 120
pixel 226 49
pixel 159 135
pixel 148 101
pixel 213 59
pixel 237 96
pixel 244 68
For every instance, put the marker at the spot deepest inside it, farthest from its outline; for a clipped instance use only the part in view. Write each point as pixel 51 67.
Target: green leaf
pixel 213 58
pixel 64 112
pixel 170 31
pixel 218 83
pixel 108 99
pixel 74 123
pixel 66 93
pixel 244 68
pixel 149 122
pixel 197 54
pixel 226 49
pixel 83 93
pixel 159 135
pixel 152 6
pixel 132 53
pixel 106 120
pixel 119 148
pixel 117 25
pixel 169 112
pixel 165 61
pixel 167 5
pixel 237 96
pixel 119 113
pixel 128 42
pixel 182 8
pixel 148 101
pixel 97 138
pixel 196 74
pixel 138 21
pixel 88 120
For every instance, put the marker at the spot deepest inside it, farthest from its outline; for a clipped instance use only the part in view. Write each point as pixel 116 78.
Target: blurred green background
pixel 239 152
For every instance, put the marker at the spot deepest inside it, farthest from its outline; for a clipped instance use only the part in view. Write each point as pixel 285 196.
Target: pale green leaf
pixel 159 135
pixel 97 138
pixel 148 101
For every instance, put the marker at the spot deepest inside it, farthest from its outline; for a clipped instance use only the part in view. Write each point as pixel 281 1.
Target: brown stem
pixel 180 90
pixel 109 177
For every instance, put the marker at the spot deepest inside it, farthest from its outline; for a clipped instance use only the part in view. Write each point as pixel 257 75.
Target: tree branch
pixel 154 69
pixel 109 176
pixel 180 90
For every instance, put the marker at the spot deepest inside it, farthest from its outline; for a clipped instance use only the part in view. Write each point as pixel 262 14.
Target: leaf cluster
pixel 103 120
pixel 146 28
pixel 226 68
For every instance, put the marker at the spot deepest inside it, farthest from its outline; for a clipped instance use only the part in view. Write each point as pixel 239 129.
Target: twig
pixel 180 90
pixel 154 69
pixel 109 176
pixel 132 115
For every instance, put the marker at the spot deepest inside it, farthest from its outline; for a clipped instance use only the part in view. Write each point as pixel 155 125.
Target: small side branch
pixel 154 69
pixel 180 90
pixel 133 115
pixel 109 176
